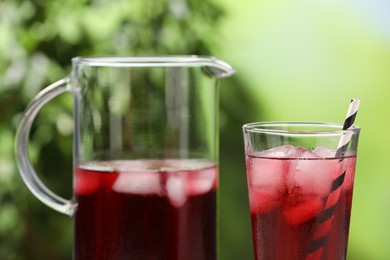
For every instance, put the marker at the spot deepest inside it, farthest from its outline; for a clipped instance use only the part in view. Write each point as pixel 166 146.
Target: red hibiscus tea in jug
pixel 145 209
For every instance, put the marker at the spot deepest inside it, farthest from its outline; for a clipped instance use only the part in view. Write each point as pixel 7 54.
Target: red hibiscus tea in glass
pixel 300 192
pixel 145 156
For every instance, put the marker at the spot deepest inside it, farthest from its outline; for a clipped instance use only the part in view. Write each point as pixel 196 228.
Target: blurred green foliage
pixel 37 41
pixel 297 60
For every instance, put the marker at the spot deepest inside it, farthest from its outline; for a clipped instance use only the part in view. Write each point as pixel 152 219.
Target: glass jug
pixel 145 156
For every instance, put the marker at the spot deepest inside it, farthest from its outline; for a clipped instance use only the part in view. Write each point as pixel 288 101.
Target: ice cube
pixel 85 182
pixel 176 188
pixel 266 181
pixel 295 152
pixel 312 174
pixel 143 183
pixel 201 181
pixel 324 152
pixel 303 211
pixel 262 201
pixel 266 173
pixel 280 152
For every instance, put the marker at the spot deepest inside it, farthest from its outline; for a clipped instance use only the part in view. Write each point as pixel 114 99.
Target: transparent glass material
pixel 300 180
pixel 266 135
pixel 139 122
pixel 147 108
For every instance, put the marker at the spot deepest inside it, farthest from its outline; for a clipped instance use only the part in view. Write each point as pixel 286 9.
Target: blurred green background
pixel 296 60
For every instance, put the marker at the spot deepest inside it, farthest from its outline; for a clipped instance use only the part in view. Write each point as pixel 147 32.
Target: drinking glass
pixel 300 186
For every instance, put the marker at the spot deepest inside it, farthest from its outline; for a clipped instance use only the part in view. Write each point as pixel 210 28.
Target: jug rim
pixel 156 61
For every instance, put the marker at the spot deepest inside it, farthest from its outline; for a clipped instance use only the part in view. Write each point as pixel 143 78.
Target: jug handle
pixel 21 148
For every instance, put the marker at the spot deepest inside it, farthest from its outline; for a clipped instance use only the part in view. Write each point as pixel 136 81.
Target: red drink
pixel 289 190
pixel 146 209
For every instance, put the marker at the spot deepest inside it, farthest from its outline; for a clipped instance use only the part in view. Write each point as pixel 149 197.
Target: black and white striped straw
pixel 326 217
pixel 349 120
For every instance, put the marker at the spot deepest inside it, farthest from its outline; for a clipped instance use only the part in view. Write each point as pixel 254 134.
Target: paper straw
pixel 349 120
pixel 326 218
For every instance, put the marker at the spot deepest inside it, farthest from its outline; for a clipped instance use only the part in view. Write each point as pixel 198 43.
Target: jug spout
pixel 217 68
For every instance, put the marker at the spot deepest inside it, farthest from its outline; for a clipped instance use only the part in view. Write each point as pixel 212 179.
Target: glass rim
pixel 324 128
